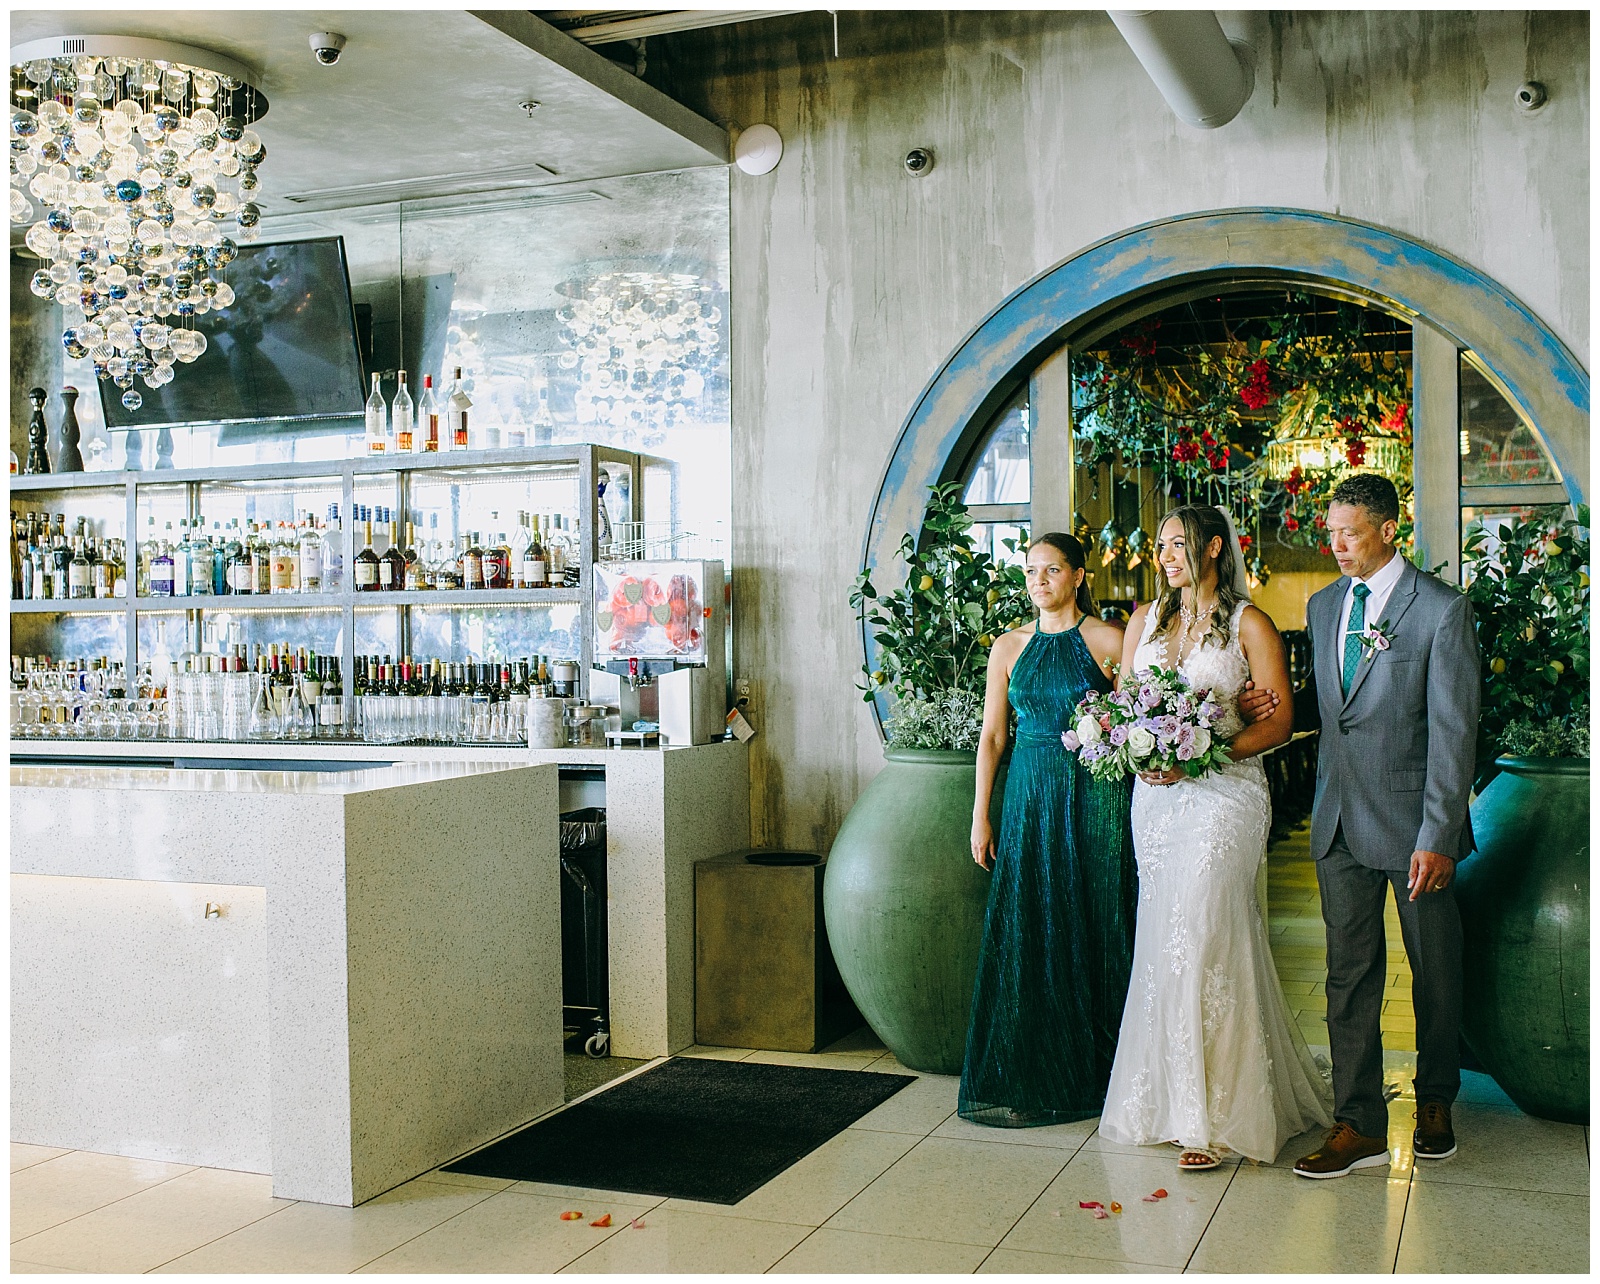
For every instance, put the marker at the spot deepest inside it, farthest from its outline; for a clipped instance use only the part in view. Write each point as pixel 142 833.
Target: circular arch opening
pixel 1148 269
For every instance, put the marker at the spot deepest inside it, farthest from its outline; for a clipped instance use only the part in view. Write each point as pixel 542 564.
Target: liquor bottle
pixel 377 419
pixel 519 545
pixel 544 424
pixel 119 570
pixel 241 579
pixel 366 563
pixel 146 551
pixel 80 580
pixel 161 566
pixel 19 555
pixel 182 552
pixel 227 554
pixel 428 418
pixel 310 557
pixel 432 554
pixel 447 571
pixel 535 568
pixel 102 569
pixel 392 563
pixel 416 570
pixel 22 552
pixel 285 557
pixel 574 552
pixel 380 542
pixel 497 564
pixel 330 709
pixel 219 559
pixel 403 417
pixel 557 553
pixel 333 554
pixel 202 561
pixel 471 563
pixel 456 413
pixel 261 559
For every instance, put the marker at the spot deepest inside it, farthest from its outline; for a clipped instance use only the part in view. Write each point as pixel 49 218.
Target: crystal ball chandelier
pixel 643 344
pixel 134 164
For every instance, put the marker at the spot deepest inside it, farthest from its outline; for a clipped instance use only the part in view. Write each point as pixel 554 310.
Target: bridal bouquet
pixel 1154 723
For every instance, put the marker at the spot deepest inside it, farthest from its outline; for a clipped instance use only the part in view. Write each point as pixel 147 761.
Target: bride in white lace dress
pixel 1208 1056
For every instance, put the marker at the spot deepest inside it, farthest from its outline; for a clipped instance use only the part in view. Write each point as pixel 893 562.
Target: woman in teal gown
pixel 1058 934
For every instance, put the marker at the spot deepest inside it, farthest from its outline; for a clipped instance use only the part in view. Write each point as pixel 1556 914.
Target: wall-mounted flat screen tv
pixel 285 349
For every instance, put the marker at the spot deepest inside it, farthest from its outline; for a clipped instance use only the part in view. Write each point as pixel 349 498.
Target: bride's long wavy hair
pixel 1201 524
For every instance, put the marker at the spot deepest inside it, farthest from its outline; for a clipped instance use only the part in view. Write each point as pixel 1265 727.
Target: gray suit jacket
pixel 1395 765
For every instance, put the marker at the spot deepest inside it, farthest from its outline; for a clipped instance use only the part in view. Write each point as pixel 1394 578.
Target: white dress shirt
pixel 1380 585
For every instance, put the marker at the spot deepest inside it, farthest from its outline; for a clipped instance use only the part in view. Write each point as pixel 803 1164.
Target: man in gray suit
pixel 1396 668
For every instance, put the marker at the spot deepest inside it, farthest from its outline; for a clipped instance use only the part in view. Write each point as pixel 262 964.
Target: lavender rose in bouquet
pixel 1154 723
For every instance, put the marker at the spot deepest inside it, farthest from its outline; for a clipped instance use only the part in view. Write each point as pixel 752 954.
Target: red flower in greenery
pixel 1257 391
pixel 1291 524
pixel 1246 542
pixel 1355 450
pixel 1324 550
pixel 1395 420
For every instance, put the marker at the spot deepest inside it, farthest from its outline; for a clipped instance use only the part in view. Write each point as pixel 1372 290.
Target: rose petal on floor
pixel 571 1217
pixel 604 1221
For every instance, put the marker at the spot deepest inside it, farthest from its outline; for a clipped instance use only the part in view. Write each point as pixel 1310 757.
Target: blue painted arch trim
pixel 1534 368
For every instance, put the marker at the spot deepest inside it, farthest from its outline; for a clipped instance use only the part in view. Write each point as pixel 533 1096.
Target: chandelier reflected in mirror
pixel 134 164
pixel 644 344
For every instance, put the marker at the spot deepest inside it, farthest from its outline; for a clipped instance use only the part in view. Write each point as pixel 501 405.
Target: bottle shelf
pixel 244 602
pixel 23 483
pixel 317 601
pixel 473 597
pixel 70 606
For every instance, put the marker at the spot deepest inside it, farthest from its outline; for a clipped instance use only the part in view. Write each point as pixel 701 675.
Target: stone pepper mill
pixel 38 432
pixel 69 459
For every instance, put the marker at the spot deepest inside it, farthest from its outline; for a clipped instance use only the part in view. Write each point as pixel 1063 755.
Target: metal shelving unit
pixel 397 475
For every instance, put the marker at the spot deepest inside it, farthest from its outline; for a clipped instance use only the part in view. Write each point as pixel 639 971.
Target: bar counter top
pixel 246 780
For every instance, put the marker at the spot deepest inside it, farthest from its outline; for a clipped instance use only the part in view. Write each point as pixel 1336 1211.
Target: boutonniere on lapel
pixel 1374 638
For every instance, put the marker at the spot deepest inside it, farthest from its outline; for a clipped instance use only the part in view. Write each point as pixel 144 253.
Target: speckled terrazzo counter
pixel 341 978
pixel 665 809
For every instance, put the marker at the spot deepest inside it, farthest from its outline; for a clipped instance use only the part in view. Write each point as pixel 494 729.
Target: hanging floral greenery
pixel 1270 420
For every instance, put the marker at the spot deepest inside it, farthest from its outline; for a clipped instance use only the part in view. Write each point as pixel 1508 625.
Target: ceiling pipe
pixel 1205 77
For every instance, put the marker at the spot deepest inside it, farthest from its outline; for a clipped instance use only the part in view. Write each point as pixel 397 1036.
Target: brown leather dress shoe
pixel 1343 1151
pixel 1434 1137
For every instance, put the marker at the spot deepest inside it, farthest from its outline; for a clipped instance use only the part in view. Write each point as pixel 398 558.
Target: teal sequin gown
pixel 1058 935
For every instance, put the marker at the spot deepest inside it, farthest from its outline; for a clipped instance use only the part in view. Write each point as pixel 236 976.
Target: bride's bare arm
pixel 1269 670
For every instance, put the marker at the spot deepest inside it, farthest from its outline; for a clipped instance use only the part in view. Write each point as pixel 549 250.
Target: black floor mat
pixel 691 1128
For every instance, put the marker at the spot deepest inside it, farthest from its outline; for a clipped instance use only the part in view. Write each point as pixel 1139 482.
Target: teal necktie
pixel 1352 642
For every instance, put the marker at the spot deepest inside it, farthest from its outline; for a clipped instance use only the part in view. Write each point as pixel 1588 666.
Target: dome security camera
pixel 1531 95
pixel 919 160
pixel 327 46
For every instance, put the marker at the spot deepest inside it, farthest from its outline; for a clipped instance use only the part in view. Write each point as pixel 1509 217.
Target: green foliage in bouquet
pixel 1529 587
pixel 933 633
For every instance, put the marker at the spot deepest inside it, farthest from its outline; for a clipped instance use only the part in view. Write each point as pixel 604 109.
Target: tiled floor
pixel 1295 921
pixel 909 1188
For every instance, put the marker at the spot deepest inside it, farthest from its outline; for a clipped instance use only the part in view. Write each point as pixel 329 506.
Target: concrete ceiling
pixel 423 103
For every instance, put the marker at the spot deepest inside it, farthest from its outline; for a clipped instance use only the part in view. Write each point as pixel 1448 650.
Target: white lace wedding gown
pixel 1208 1053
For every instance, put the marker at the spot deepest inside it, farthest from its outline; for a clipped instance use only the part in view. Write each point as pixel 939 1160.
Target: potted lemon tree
pixel 902 897
pixel 1524 894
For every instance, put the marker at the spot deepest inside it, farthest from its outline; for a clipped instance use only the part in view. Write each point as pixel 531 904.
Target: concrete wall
pixel 853 280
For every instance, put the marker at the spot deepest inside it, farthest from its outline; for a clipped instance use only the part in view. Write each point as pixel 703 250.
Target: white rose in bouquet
pixel 1088 730
pixel 1202 741
pixel 1141 743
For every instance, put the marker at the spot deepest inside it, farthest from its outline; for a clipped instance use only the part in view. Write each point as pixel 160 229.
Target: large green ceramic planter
pixel 904 904
pixel 1524 900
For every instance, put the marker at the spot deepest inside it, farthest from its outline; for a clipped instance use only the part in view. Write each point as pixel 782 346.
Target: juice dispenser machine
pixel 660 631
